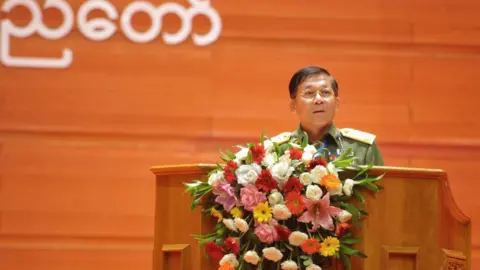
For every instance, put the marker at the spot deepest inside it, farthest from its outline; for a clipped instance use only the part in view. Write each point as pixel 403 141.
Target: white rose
pixel 317 173
pixel 251 257
pixel 313 267
pixel 308 153
pixel 272 254
pixel 297 238
pixel 344 216
pixel 269 160
pixel 306 178
pixel 215 177
pixel 289 265
pixel 229 258
pixel 268 146
pixel 230 224
pixel 348 187
pixel 248 174
pixel 281 212
pixel 241 155
pixel 314 192
pixel 331 169
pixel 275 197
pixel 241 224
pixel 285 158
pixel 282 170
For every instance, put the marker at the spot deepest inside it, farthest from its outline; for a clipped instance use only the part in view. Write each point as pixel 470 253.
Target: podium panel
pixel 413 223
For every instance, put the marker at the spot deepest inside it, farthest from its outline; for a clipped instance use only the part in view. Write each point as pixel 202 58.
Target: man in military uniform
pixel 314 98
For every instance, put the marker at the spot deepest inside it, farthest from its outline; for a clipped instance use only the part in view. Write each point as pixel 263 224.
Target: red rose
pixel 214 251
pixel 232 164
pixel 228 172
pixel 266 182
pixel 282 233
pixel 314 162
pixel 232 244
pixel 342 228
pixel 293 184
pixel 258 152
pixel 296 154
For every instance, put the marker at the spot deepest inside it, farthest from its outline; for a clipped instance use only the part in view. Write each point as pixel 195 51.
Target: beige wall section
pixel 76 144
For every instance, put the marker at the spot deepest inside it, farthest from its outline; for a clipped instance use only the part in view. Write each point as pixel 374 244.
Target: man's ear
pixel 337 103
pixel 293 107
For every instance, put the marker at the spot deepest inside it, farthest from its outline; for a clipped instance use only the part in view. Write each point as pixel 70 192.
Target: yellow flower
pixel 330 246
pixel 214 212
pixel 236 212
pixel 262 212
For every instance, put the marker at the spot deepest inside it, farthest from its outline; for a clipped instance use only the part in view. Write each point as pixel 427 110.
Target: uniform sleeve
pixel 373 155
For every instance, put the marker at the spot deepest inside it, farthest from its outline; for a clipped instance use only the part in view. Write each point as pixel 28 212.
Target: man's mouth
pixel 318 111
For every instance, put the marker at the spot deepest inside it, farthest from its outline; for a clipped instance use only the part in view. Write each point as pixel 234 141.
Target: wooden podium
pixel 413 222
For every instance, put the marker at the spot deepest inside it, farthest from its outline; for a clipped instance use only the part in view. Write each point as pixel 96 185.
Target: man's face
pixel 315 102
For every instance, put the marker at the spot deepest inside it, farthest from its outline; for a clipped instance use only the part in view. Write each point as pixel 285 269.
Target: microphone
pixel 341 149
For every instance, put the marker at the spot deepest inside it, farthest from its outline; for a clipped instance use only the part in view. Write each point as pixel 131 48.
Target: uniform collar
pixel 332 132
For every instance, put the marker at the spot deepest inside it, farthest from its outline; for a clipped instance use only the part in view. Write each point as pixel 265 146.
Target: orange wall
pixel 76 144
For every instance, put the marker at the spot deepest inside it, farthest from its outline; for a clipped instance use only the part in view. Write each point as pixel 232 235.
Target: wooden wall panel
pixel 76 144
pixel 62 257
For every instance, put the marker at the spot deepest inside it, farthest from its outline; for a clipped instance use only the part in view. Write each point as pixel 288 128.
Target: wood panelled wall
pixel 76 144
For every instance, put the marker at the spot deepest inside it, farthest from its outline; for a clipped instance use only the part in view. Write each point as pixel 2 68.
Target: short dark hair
pixel 303 74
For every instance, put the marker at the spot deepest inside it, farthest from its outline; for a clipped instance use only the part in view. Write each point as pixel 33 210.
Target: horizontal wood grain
pixel 65 259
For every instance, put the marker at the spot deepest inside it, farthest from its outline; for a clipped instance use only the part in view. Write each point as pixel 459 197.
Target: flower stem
pixel 308 231
pixel 298 257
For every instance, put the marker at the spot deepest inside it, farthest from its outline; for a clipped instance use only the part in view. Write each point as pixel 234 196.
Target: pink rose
pixel 266 233
pixel 251 197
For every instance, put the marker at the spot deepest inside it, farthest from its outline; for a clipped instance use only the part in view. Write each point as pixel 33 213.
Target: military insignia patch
pixel 358 135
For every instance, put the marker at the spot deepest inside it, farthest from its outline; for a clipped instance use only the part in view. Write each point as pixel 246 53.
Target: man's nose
pixel 318 98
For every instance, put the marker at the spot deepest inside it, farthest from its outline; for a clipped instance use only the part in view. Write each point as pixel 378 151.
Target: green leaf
pixel 370 186
pixel 308 262
pixel 350 208
pixel 350 251
pixel 304 141
pixel 358 195
pixel 304 257
pixel 350 241
pixel 343 163
pixel 284 147
pixel 224 156
pixel 288 246
pixel 277 148
pixel 231 155
pixel 346 262
pixel 345 154
pixel 249 159
pixel 262 137
pixel 363 170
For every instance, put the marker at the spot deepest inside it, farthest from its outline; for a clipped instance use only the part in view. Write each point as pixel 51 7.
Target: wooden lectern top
pixel 413 223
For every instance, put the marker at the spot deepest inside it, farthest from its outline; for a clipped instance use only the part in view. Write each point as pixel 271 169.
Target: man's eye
pixel 309 93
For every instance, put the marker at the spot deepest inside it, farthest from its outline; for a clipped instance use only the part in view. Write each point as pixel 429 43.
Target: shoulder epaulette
pixel 282 137
pixel 358 135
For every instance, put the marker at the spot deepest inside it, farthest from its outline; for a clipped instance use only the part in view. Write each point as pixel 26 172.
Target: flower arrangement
pixel 282 204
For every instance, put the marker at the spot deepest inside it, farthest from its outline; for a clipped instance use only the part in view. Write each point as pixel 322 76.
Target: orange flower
pixel 342 228
pixel 311 246
pixel 330 181
pixel 226 266
pixel 295 202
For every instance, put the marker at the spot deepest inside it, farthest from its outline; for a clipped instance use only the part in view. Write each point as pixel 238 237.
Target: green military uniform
pixel 337 140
